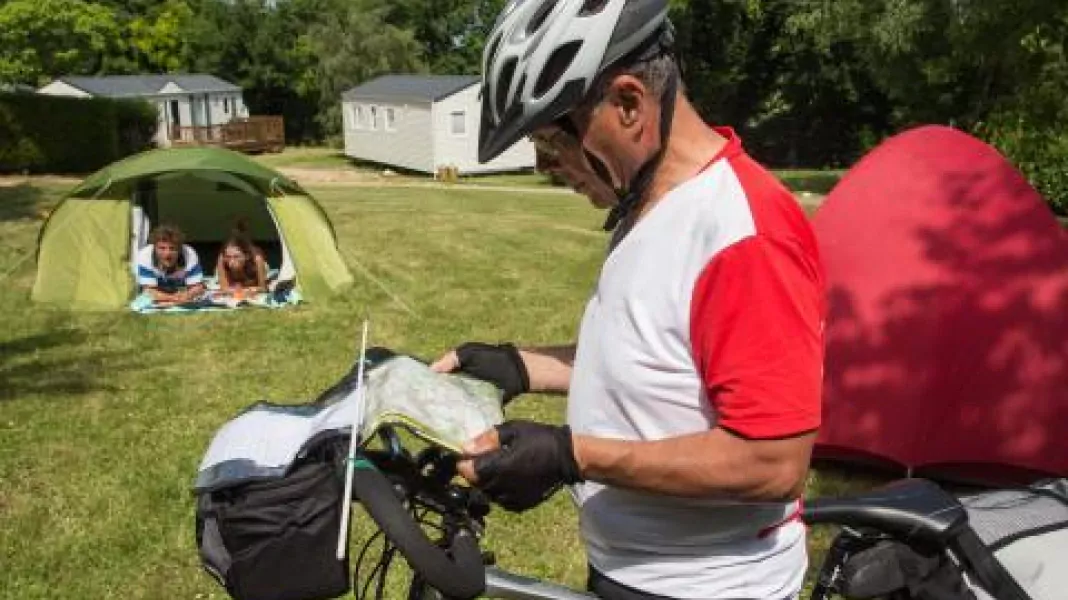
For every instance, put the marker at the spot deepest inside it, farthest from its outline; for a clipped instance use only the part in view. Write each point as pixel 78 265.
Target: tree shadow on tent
pixel 48 363
pixel 974 357
pixel 19 202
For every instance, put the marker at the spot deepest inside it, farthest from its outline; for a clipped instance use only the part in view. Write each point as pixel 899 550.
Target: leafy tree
pixel 351 44
pixel 997 68
pixel 796 102
pixel 43 39
pixel 255 44
pixel 159 36
pixel 938 60
pixel 451 33
pixel 727 50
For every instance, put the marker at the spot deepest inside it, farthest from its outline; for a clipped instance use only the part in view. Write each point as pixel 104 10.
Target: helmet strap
pixel 630 197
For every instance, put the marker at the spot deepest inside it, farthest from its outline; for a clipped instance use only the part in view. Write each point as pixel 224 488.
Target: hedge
pixel 1039 151
pixel 59 134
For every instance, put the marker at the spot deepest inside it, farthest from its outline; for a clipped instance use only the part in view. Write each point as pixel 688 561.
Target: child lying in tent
pixel 168 270
pixel 241 268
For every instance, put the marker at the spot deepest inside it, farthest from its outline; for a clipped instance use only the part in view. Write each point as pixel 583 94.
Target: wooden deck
pixel 250 134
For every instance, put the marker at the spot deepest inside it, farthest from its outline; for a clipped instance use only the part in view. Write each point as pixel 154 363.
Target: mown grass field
pixel 322 158
pixel 104 416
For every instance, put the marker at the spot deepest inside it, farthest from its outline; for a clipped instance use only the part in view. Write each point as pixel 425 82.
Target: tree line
pixel 813 83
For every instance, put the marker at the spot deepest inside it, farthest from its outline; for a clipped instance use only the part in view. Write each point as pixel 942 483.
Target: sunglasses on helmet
pixel 560 134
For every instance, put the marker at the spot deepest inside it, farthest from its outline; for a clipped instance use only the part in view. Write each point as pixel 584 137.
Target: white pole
pixel 350 463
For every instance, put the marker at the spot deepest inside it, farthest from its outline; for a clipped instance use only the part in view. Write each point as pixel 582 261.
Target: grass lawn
pixel 104 417
pixel 799 180
pixel 810 180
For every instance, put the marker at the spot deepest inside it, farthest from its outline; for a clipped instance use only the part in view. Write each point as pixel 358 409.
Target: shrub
pixel 1040 152
pixel 136 122
pixel 56 134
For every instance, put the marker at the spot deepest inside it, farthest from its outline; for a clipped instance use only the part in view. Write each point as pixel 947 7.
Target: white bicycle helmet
pixel 543 56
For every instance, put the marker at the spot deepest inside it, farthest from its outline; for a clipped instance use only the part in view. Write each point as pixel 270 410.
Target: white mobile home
pixel 422 123
pixel 182 100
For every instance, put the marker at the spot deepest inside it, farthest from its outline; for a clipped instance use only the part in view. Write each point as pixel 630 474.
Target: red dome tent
pixel 947 339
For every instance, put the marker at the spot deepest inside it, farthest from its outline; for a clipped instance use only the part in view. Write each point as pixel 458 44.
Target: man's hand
pixel 519 464
pixel 500 365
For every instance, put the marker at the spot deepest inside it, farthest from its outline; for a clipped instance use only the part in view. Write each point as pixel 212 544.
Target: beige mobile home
pixel 422 123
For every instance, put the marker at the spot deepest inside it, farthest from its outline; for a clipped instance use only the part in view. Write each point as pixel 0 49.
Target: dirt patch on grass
pixel 16 180
pixel 311 175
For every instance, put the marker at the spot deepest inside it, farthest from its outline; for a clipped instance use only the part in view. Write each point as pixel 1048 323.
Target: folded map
pixel 265 440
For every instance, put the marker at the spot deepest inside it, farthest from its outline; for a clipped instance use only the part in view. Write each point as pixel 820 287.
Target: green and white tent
pixel 88 243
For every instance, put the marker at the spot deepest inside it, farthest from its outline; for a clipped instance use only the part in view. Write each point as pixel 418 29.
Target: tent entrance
pixel 86 245
pixel 206 206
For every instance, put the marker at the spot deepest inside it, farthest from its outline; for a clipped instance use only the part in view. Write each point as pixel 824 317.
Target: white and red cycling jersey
pixel 709 313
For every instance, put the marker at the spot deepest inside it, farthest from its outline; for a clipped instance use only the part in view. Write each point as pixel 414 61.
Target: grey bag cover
pixel 1027 530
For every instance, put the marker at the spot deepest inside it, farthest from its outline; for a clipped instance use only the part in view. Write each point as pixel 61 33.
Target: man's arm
pixel 707 464
pixel 711 464
pixel 159 295
pixel 549 368
pixel 146 279
pixel 545 369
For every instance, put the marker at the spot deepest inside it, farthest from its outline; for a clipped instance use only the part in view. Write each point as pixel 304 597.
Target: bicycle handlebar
pixel 456 571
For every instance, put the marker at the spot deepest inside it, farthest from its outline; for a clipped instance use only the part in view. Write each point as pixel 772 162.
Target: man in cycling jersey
pixel 694 388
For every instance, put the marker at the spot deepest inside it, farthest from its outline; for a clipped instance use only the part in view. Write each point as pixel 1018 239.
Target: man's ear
pixel 627 94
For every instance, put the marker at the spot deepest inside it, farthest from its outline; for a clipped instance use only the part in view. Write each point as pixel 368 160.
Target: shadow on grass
pixel 49 363
pixel 19 202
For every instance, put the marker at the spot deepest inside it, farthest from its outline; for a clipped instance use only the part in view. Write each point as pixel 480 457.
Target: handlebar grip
pixel 457 572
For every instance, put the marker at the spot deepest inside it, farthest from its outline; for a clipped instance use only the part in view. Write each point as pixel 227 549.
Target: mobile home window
pixel 391 119
pixel 374 118
pixel 226 105
pixel 458 122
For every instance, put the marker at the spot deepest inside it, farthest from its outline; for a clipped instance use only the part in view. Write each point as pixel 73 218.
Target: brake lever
pixel 393 444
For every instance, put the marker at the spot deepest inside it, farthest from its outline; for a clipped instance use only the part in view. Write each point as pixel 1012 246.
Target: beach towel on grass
pixel 213 301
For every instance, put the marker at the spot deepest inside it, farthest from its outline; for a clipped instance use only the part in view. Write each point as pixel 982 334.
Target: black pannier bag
pixel 1015 547
pixel 275 539
pixel 269 490
pixel 269 496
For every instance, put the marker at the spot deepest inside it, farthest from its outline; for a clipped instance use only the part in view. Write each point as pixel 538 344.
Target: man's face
pixel 613 125
pixel 562 155
pixel 166 253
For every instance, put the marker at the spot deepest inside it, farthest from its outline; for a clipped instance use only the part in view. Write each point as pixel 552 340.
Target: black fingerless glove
pixel 500 365
pixel 533 462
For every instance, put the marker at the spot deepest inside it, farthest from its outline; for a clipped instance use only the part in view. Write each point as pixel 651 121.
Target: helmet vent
pixel 538 18
pixel 491 54
pixel 555 67
pixel 592 7
pixel 504 81
pixel 519 89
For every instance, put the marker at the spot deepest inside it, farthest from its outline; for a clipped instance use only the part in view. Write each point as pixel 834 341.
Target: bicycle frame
pixel 425 480
pixel 505 585
pixel 511 586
